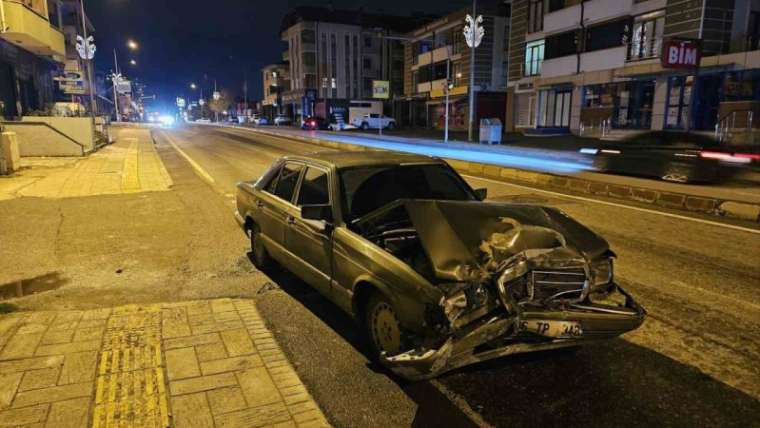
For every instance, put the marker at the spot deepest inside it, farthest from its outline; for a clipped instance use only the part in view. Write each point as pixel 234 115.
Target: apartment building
pixel 31 49
pixel 577 63
pixel 276 78
pixel 438 49
pixel 335 55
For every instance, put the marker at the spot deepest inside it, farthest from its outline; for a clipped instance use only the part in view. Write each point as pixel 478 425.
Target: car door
pixel 311 240
pixel 275 205
pixel 634 155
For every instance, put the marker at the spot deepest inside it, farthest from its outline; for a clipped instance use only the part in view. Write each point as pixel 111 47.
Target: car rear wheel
pixel 365 126
pixel 384 333
pixel 391 126
pixel 676 173
pixel 261 258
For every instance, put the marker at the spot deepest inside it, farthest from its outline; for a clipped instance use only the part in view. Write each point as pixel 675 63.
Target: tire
pixel 365 126
pixel 383 332
pixel 601 164
pixel 391 126
pixel 259 255
pixel 676 173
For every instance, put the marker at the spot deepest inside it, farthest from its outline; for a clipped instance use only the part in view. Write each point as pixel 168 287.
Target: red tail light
pixel 728 157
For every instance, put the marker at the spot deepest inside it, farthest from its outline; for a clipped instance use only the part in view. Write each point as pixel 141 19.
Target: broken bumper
pixel 505 335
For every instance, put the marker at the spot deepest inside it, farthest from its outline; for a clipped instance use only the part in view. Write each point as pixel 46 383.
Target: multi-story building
pixel 31 50
pixel 335 55
pixel 438 49
pixel 276 78
pixel 575 64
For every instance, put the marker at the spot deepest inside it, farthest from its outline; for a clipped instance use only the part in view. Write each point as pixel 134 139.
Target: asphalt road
pixel 694 362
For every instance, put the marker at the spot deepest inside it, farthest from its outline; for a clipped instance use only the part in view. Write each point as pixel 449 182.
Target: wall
pixel 40 140
pixel 77 128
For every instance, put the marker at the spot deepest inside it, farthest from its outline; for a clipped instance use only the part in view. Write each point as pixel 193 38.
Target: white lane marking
pixel 461 404
pixel 612 204
pixel 198 169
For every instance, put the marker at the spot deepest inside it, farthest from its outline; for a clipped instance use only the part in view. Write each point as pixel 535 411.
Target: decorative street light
pixel 473 35
pixel 131 44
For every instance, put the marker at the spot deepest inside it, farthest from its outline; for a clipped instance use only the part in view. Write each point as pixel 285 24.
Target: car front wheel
pixel 384 332
pixel 261 258
pixel 365 126
pixel 391 126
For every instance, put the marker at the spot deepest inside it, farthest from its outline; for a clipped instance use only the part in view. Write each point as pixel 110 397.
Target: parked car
pixel 435 277
pixel 259 120
pixel 314 123
pixel 374 121
pixel 282 120
pixel 671 155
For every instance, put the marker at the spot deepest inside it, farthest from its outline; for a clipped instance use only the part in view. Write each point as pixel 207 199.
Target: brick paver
pixel 194 364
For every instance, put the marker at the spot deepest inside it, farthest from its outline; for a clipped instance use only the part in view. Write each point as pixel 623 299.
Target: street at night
pixel 491 213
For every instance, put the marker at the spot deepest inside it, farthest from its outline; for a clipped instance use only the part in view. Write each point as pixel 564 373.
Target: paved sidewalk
pixel 191 364
pixel 130 165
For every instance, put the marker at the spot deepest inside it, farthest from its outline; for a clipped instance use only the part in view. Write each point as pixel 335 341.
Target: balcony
pixel 561 66
pixel 30 30
pixel 594 11
pixel 604 59
pixel 437 55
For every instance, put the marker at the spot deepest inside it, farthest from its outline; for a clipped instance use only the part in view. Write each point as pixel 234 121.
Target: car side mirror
pixel 481 194
pixel 319 212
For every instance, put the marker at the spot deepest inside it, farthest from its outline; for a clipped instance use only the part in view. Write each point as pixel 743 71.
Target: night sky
pixel 185 41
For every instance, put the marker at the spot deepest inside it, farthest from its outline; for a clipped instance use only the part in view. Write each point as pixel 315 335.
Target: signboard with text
pixel 381 89
pixel 681 54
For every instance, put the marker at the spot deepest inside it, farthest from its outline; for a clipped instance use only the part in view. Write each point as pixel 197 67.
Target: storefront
pixel 554 107
pixel 627 105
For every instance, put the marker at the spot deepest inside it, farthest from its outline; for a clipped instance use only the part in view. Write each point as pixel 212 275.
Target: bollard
pixel 10 159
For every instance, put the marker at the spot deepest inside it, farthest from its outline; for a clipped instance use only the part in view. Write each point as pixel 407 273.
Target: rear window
pixel 366 189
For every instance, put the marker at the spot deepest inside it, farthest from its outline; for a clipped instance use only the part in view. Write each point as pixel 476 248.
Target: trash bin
pixel 490 131
pixel 10 160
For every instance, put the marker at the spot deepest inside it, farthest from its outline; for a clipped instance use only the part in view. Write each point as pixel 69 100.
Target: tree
pixel 222 104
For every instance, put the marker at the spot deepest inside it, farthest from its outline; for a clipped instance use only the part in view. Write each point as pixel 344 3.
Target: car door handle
pixel 291 219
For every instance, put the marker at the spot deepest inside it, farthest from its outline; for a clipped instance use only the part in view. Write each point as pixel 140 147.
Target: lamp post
pixel 88 65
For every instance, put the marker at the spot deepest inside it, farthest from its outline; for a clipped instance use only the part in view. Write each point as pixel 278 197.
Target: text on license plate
pixel 549 328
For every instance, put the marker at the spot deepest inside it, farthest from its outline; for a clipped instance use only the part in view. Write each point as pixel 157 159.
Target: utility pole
pixel 88 65
pixel 216 113
pixel 114 80
pixel 448 88
pixel 472 77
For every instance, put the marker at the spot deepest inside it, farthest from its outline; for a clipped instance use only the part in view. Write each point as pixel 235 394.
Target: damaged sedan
pixel 435 277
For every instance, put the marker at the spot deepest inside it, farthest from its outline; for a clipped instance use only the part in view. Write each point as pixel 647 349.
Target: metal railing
pixel 726 125
pixel 604 126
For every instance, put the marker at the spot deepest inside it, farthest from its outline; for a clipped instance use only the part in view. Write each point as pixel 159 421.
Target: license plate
pixel 550 328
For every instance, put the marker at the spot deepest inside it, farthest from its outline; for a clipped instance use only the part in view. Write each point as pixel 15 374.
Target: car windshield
pixel 366 189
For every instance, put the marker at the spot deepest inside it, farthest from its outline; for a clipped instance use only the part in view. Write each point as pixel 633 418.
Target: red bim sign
pixel 681 54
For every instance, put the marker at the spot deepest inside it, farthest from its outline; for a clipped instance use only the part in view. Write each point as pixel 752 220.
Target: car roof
pixel 365 158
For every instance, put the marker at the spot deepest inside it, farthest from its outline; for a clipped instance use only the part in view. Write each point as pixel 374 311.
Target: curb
pixel 679 201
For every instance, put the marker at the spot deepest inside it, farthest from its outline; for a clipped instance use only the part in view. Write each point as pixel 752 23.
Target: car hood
pixel 464 239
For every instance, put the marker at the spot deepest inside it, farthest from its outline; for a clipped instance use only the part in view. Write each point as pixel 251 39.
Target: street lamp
pixel 132 62
pixel 193 86
pixel 131 44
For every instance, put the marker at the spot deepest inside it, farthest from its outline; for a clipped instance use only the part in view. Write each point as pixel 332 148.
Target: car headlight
pixel 601 272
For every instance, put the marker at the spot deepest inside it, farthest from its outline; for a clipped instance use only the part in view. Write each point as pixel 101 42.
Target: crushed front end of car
pixel 514 279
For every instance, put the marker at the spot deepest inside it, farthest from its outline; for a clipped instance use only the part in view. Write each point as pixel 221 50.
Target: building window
pixel 367 63
pixel 535 16
pixel 753 31
pixel 367 42
pixel 308 36
pixel 534 56
pixel 555 5
pixel 606 36
pixel 646 37
pixel 678 101
pixel 560 45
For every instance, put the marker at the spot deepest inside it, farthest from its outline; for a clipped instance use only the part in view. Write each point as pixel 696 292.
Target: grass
pixel 6 308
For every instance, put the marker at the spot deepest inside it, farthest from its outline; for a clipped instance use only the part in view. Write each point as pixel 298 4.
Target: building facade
pixel 575 65
pixel 32 49
pixel 335 55
pixel 437 50
pixel 276 78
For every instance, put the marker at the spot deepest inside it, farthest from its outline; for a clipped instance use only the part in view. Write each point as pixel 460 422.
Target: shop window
pixel 534 56
pixel 679 98
pixel 646 36
pixel 606 36
pixel 561 45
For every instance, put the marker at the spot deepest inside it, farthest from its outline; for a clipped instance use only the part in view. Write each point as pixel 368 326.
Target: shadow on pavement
pixel 38 284
pixel 433 408
pixel 614 383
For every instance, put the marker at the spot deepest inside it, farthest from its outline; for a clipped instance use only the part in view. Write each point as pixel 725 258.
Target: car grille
pixel 566 284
